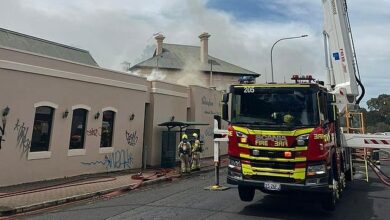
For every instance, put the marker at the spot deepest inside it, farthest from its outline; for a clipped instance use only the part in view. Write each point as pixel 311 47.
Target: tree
pixel 378 117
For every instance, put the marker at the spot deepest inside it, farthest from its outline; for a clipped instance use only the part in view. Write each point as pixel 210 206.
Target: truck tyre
pixel 246 193
pixel 342 183
pixel 330 198
pixel 342 178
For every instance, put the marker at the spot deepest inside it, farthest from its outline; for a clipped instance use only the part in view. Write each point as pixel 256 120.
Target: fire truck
pixel 287 137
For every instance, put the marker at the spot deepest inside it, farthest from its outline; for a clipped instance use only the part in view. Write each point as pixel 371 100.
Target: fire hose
pixel 378 172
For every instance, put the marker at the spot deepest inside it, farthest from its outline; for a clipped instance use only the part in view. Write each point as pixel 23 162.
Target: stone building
pixel 186 65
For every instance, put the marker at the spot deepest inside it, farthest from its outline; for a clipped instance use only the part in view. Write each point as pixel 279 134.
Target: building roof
pixel 181 56
pixel 15 40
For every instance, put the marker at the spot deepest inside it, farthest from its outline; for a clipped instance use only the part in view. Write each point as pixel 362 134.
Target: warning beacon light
pixel 302 78
pixel 246 80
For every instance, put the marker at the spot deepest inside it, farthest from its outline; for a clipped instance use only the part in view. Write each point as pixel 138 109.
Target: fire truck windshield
pixel 290 107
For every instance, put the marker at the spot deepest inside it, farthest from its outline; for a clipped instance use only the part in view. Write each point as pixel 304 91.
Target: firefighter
pixel 196 150
pixel 184 154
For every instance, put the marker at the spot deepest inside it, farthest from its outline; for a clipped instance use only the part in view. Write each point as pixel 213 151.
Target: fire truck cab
pixel 284 137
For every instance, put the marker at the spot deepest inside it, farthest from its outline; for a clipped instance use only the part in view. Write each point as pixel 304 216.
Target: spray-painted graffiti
pixel 131 138
pixel 22 141
pixel 94 132
pixel 2 130
pixel 116 160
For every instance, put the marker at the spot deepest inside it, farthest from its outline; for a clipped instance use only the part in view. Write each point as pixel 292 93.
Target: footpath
pixel 38 195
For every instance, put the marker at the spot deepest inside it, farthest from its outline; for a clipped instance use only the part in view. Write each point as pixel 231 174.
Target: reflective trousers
pixel 195 161
pixel 185 163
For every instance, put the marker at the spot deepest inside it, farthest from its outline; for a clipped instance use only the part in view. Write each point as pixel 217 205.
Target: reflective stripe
pixel 281 133
pixel 376 141
pixel 298 173
pixel 272 148
pixel 297 159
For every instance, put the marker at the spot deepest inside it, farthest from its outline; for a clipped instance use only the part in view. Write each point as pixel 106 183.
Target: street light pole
pixel 286 38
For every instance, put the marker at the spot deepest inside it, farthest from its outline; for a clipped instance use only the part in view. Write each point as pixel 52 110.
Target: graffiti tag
pixel 94 132
pixel 131 138
pixel 22 140
pixel 116 160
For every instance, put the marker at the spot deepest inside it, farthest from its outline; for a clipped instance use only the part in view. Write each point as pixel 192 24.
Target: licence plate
pixel 272 186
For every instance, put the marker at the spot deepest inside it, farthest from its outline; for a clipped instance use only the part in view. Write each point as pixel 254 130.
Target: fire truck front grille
pixel 273 165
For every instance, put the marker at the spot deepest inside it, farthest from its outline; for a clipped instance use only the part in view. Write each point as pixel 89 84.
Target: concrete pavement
pixel 28 197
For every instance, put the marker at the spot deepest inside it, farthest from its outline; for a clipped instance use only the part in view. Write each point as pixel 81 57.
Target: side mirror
pixel 225 98
pixel 225 111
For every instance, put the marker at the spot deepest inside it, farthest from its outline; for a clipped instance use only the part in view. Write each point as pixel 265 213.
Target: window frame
pixel 115 112
pixel 86 111
pixel 52 108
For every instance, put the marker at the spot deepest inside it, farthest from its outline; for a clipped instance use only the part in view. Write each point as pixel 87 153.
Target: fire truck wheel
pixel 330 198
pixel 246 193
pixel 342 183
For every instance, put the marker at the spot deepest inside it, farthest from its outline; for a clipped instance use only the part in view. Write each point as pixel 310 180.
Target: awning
pixel 180 124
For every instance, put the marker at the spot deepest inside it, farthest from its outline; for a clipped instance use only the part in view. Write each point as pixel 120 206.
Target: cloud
pixel 121 30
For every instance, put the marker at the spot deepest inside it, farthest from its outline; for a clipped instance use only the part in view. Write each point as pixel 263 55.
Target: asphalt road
pixel 186 199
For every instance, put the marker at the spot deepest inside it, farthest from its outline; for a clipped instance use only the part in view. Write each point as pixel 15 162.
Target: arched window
pixel 41 134
pixel 77 132
pixel 107 128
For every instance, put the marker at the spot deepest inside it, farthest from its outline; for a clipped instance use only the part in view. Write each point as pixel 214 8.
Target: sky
pixel 242 32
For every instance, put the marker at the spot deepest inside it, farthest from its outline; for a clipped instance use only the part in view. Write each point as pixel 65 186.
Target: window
pixel 278 107
pixel 42 129
pixel 107 129
pixel 323 106
pixel 77 133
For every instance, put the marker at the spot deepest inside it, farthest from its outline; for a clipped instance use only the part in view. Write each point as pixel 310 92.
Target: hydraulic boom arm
pixel 340 57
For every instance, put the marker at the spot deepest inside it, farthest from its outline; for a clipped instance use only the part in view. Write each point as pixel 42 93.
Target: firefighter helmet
pixel 195 135
pixel 288 118
pixel 184 136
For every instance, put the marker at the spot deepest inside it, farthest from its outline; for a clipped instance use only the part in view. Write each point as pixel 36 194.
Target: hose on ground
pixel 379 176
pixel 377 171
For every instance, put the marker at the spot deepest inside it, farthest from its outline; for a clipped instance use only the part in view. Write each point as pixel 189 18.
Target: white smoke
pixel 156 75
pixel 190 75
pixel 135 73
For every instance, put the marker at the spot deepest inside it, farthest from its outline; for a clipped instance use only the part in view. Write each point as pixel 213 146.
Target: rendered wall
pixel 166 100
pixel 22 87
pixel 29 80
pixel 205 103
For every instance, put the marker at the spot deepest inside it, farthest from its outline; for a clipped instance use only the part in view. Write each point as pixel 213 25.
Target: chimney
pixel 204 47
pixel 159 43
